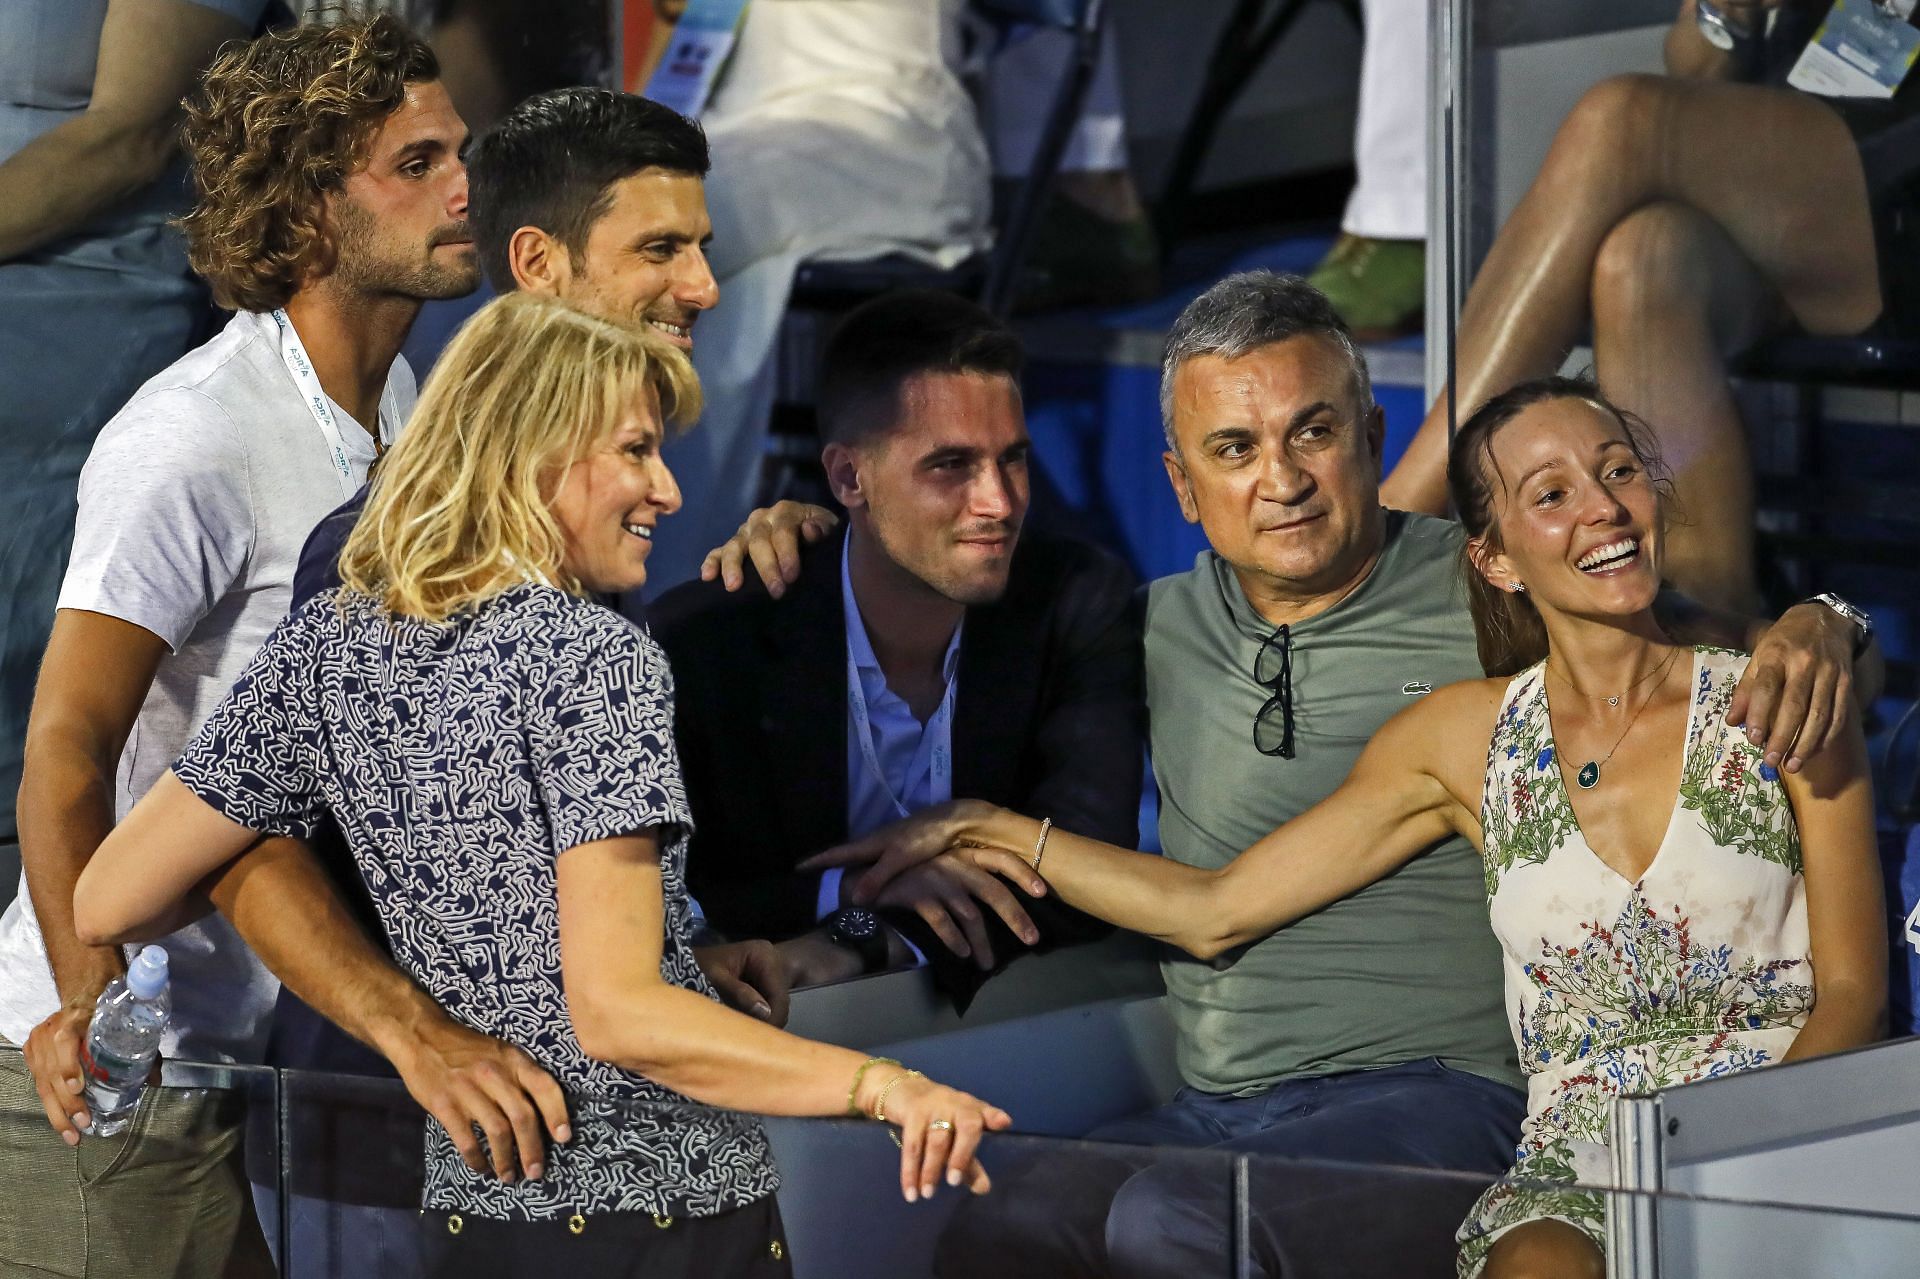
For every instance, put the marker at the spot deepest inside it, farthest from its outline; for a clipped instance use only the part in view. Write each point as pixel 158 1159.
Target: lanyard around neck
pixel 294 355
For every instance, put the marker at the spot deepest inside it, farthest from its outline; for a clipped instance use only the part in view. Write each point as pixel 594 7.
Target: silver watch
pixel 1719 30
pixel 1863 625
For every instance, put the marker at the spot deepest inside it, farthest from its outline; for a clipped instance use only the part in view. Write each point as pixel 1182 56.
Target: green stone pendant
pixel 1589 776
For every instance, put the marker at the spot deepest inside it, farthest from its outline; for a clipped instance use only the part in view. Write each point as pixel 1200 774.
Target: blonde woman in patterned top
pixel 498 751
pixel 1671 907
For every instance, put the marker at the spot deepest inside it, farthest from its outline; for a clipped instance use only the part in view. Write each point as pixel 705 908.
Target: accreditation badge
pixel 1864 49
pixel 702 39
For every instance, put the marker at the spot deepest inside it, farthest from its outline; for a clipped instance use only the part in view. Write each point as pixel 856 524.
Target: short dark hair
pixel 882 343
pixel 549 161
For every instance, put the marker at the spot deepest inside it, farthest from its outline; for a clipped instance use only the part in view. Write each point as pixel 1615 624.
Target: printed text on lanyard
pixel 294 355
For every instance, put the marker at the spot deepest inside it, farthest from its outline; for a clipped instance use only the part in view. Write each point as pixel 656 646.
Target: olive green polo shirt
pixel 1407 967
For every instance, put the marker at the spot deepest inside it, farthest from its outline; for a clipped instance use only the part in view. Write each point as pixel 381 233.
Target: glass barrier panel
pixel 353 1168
pixel 249 1096
pixel 1309 1219
pixel 1669 1234
pixel 1057 1207
pixel 168 1194
pixel 1047 1213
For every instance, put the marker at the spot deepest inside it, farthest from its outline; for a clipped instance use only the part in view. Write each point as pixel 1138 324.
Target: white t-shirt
pixel 194 505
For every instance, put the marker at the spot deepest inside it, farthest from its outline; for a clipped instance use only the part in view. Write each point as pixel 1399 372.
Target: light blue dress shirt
pixel 903 745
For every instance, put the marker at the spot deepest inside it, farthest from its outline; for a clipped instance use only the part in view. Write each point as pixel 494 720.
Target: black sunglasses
pixel 1273 668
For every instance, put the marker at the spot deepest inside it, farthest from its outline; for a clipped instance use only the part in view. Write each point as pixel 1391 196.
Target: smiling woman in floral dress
pixel 1670 907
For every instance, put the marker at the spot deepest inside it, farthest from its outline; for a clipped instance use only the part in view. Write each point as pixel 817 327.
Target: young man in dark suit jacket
pixel 931 650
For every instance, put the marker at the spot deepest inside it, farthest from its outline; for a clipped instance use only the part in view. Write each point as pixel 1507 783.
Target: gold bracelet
pixel 1040 844
pixel 886 1090
pixel 853 1093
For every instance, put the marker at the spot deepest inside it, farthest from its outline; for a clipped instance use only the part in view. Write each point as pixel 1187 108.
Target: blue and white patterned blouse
pixel 460 761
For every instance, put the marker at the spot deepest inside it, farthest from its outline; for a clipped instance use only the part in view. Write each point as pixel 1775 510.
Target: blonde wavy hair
pixel 277 123
pixel 460 510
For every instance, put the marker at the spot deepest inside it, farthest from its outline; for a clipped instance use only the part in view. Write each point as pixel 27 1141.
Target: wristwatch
pixel 861 932
pixel 1719 30
pixel 1863 625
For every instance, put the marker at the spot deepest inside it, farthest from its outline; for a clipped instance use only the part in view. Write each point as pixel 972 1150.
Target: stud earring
pixel 1518 588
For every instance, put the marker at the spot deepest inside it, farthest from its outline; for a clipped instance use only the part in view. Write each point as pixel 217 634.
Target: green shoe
pixel 1379 287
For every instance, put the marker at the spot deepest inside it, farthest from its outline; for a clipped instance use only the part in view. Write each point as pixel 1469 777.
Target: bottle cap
pixel 147 974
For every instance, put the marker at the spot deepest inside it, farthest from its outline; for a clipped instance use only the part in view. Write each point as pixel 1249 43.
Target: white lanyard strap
pixel 294 355
pixel 934 754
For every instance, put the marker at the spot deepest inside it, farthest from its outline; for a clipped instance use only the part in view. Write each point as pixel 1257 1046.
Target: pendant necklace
pixel 1589 775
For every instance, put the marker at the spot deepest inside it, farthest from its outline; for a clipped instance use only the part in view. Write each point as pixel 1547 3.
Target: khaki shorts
pixel 166 1197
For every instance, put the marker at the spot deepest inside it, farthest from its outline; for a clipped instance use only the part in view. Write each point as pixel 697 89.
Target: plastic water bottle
pixel 123 1039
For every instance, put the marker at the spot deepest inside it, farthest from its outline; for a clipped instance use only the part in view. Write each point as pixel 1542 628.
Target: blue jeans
pixel 1130 1211
pixel 82 325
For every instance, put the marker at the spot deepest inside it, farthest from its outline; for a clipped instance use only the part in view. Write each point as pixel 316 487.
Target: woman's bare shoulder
pixel 1458 708
pixel 1445 734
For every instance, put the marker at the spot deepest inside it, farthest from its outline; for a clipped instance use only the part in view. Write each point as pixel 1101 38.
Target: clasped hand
pixel 947 894
pixel 950 838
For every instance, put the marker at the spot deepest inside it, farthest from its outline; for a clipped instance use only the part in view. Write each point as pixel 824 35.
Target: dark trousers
pixel 1128 1212
pixel 747 1243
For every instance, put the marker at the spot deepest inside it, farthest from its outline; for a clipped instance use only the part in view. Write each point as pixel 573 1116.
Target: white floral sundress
pixel 1699 969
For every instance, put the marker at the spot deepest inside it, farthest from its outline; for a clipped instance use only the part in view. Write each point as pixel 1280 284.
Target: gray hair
pixel 1245 312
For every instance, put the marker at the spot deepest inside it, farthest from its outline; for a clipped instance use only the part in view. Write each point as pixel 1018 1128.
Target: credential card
pixel 702 40
pixel 1862 50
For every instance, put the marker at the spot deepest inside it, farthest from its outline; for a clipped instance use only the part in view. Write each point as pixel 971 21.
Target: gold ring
pixel 940 1125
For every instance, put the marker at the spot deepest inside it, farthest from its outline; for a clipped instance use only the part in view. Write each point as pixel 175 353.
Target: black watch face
pixel 855 924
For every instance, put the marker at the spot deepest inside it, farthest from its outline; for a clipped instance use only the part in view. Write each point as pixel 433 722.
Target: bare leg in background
pixel 1774 171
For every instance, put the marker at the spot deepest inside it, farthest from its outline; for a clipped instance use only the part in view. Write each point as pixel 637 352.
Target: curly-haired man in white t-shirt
pixel 331 202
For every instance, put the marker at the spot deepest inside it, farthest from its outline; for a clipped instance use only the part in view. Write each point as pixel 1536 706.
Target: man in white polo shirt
pixel 331 202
